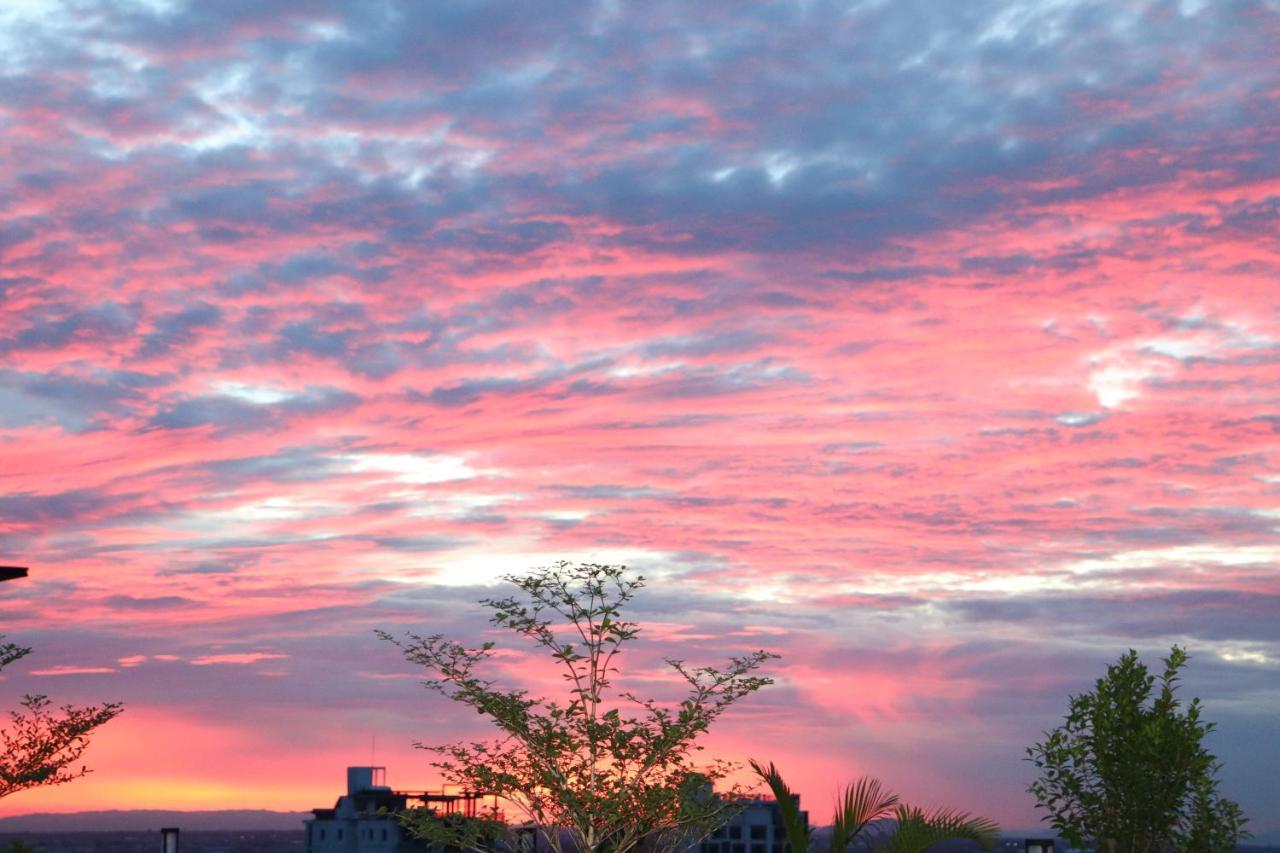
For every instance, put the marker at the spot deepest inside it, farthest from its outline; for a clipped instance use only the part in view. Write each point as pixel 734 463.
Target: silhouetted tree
pixel 609 769
pixel 1129 773
pixel 43 745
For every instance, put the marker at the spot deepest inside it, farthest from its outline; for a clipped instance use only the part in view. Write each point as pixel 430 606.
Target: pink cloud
pixel 72 670
pixel 236 658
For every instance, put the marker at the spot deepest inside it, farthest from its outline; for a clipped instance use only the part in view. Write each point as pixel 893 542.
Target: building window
pixel 757 848
pixel 718 833
pixel 759 832
pixel 322 835
pixel 339 834
pixel 735 832
pixel 384 834
pixel 739 848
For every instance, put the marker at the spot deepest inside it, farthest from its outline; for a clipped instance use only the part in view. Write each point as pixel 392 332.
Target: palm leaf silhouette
pixel 797 833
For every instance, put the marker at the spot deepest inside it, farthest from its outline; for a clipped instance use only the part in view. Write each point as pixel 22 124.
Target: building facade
pixel 758 828
pixel 363 820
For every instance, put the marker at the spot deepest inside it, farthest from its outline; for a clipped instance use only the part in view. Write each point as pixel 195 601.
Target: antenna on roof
pixel 373 750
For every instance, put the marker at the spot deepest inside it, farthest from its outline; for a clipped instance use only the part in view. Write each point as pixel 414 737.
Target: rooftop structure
pixel 363 820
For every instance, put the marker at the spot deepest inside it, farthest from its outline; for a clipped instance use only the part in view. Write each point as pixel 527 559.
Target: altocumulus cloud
pixel 936 342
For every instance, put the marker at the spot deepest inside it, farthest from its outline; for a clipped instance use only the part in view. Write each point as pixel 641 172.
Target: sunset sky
pixel 934 346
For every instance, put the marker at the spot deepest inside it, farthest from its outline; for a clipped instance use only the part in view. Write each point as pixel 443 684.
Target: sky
pixel 934 347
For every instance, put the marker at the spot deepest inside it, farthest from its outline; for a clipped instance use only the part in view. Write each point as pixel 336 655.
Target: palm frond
pixel 918 831
pixel 797 833
pixel 860 803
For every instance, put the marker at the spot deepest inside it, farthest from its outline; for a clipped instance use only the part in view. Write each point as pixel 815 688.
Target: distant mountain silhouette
pixel 136 820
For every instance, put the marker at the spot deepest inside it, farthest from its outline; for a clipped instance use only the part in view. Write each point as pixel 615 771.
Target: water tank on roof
pixel 366 779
